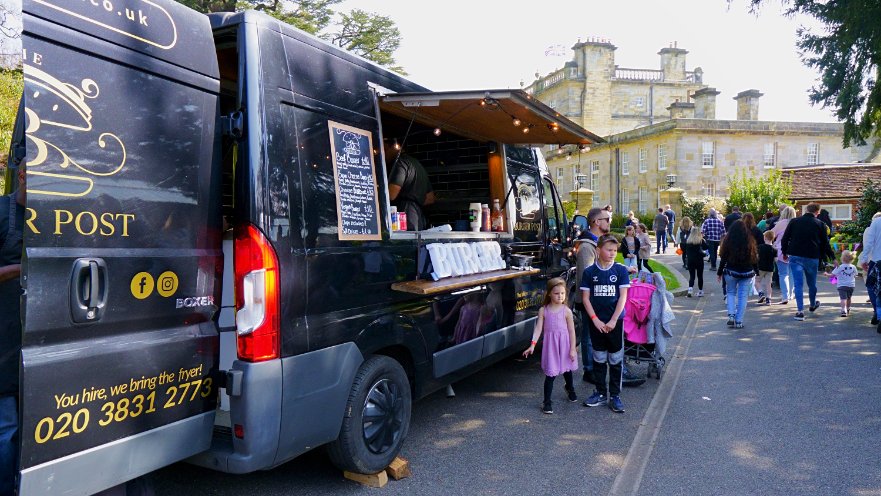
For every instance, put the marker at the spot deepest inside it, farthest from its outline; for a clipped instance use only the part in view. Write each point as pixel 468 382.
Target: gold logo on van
pixel 68 108
pixel 140 20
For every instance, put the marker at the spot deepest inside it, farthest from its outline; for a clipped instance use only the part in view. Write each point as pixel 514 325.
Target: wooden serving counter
pixel 429 287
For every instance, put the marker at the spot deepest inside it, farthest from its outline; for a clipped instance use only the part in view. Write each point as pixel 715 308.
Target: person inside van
pixel 409 188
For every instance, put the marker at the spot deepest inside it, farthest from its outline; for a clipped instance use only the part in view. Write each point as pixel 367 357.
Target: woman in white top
pixel 786 289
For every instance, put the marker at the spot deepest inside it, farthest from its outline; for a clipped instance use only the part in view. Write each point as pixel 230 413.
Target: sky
pixel 482 44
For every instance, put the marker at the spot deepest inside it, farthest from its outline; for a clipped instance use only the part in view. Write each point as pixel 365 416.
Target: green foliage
pixel 569 208
pixel 869 204
pixel 758 194
pixel 11 86
pixel 846 52
pixel 695 208
pixel 371 36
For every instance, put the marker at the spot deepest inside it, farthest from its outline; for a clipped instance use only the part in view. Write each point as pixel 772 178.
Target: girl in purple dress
pixel 558 351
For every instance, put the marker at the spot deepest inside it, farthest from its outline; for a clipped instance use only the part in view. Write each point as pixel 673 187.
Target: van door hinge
pixel 233 124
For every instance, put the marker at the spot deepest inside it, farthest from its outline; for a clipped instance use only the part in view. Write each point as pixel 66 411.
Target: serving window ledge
pixel 428 287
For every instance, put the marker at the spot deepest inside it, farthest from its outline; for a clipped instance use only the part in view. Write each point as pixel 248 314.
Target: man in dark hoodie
pixel 804 244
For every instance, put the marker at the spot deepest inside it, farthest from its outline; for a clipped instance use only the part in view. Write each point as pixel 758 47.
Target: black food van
pixel 211 271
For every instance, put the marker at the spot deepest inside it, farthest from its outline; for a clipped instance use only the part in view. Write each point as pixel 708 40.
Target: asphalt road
pixel 780 407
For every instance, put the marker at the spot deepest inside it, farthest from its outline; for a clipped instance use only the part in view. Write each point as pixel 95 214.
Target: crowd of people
pixel 746 255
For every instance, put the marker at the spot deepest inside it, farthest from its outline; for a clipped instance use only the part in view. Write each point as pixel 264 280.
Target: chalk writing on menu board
pixel 356 195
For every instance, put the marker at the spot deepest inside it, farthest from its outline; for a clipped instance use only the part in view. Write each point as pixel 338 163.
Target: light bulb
pixel 397 145
pixel 437 131
pixel 526 130
pixel 516 122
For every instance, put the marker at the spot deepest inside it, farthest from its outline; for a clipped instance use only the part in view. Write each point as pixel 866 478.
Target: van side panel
pixel 122 245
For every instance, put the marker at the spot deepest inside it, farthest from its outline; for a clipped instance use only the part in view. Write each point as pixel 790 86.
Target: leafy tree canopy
pixel 371 36
pixel 869 204
pixel 847 54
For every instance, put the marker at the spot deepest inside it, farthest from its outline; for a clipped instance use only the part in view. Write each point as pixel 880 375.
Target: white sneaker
pixel 700 292
pixel 690 292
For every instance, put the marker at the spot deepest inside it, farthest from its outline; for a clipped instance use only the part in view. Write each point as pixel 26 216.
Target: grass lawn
pixel 672 282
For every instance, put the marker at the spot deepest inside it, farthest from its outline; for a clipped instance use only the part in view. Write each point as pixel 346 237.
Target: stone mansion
pixel 662 135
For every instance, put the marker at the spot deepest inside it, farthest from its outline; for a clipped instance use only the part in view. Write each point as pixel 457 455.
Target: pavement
pixel 779 407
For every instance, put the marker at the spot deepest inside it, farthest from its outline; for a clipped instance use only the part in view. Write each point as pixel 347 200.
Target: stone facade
pixel 701 153
pixel 606 99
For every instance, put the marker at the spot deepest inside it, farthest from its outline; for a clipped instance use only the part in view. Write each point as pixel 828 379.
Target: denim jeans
pixel 804 269
pixel 661 237
pixel 713 249
pixel 738 293
pixel 586 348
pixel 8 443
pixel 785 280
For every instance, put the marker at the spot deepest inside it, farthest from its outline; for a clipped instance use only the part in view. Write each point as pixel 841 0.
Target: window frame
pixel 705 163
pixel 813 150
pixel 643 159
pixel 625 163
pixel 641 199
pixel 709 187
pixel 772 164
pixel 662 156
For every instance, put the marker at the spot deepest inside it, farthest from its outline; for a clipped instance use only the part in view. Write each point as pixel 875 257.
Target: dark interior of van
pixel 458 167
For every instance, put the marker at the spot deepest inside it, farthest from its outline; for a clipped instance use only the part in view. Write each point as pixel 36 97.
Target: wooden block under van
pixel 399 469
pixel 373 480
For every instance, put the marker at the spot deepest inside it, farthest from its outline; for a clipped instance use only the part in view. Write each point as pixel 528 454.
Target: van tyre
pixel 376 420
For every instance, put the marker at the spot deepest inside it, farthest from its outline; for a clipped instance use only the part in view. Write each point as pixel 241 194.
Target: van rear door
pixel 122 241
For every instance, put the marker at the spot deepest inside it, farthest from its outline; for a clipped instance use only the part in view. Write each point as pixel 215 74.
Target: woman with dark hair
pixel 825 219
pixel 738 259
pixel 750 221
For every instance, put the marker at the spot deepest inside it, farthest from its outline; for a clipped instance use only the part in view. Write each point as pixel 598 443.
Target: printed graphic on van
pixel 69 109
pixel 144 21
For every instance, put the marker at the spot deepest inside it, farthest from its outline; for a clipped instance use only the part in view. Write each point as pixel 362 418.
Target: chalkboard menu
pixel 357 200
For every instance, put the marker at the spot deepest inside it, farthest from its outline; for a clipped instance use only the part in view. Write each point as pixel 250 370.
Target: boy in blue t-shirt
pixel 604 285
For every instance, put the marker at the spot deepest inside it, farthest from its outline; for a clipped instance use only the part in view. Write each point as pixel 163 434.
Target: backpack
pixel 636 311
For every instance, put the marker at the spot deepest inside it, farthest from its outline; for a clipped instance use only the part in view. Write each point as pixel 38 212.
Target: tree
pixel 847 54
pixel 695 209
pixel 758 194
pixel 869 204
pixel 371 36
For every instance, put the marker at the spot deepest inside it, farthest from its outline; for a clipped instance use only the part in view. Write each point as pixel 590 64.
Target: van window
pixel 528 207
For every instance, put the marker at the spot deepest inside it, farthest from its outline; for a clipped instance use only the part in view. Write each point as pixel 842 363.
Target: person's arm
pixel 429 199
pixel 784 242
pixel 8 272
pixel 393 191
pixel 585 300
pixel 866 252
pixel 570 326
pixel 619 309
pixel 536 333
pixel 824 243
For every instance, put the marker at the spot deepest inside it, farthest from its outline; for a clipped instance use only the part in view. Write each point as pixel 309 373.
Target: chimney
pixel 705 103
pixel 681 110
pixel 673 63
pixel 748 105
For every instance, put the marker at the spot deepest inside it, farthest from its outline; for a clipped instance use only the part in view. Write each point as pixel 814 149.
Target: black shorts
pixel 610 342
pixel 845 292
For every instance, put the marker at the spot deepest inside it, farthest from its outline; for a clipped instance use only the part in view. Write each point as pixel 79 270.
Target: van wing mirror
pixel 580 221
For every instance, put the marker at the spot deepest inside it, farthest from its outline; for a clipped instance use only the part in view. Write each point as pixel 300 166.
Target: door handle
pixel 88 290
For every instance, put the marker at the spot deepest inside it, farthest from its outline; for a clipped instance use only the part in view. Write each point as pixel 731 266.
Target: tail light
pixel 257 294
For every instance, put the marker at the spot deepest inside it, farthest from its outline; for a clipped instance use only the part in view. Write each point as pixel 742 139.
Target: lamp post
pixel 671 181
pixel 580 180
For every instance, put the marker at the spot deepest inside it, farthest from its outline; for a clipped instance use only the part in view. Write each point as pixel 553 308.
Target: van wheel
pixel 377 418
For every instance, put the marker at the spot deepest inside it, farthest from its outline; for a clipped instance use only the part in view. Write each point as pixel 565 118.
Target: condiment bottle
pixel 394 214
pixel 497 220
pixel 484 218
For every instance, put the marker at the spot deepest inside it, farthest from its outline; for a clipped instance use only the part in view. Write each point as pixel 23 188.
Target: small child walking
pixel 846 273
pixel 558 355
pixel 767 256
pixel 604 292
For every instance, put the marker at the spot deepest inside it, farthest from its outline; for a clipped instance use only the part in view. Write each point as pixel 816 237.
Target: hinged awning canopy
pixel 489 115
